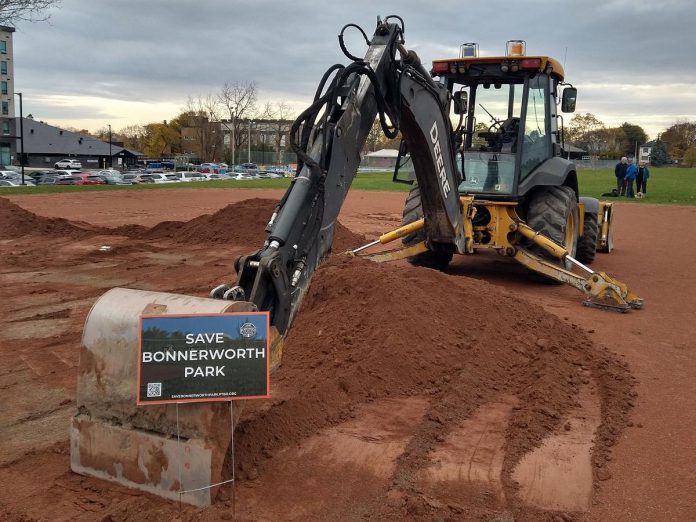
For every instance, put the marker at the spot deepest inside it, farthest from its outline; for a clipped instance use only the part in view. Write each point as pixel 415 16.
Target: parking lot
pixel 72 173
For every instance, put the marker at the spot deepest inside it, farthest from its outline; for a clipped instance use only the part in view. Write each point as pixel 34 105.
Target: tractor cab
pixel 504 110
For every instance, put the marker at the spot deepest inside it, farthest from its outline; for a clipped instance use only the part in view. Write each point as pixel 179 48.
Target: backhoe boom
pixel 301 231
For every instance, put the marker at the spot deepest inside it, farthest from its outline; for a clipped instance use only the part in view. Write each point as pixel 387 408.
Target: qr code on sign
pixel 154 389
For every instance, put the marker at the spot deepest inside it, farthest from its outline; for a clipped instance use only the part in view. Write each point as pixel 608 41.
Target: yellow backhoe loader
pixel 481 145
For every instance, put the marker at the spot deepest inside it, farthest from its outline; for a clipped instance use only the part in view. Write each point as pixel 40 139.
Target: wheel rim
pixel 570 233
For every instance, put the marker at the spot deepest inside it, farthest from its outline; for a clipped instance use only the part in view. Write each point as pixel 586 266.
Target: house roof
pixel 41 138
pixel 650 143
pixel 383 153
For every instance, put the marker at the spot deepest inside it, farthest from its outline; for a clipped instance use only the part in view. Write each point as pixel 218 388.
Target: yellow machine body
pixel 496 225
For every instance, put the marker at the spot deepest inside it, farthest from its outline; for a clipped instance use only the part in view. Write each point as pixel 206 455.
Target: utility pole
pixel 21 130
pixel 111 158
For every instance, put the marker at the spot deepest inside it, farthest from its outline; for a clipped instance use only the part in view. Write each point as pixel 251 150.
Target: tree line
pixel 677 142
pixel 235 104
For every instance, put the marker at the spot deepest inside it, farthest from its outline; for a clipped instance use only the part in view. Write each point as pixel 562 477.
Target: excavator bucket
pixel 161 449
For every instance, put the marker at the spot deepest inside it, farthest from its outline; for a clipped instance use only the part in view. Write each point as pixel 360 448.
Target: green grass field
pixel 666 185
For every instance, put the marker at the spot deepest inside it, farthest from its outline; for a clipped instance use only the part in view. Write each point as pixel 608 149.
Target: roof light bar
pixel 469 50
pixel 531 63
pixel 515 48
pixel 440 67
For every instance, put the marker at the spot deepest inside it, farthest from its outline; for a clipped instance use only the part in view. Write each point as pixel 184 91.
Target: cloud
pixel 160 52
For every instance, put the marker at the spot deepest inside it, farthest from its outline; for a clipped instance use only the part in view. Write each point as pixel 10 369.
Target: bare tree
pixel 13 11
pixel 373 137
pixel 202 114
pixel 277 117
pixel 239 101
pixel 134 137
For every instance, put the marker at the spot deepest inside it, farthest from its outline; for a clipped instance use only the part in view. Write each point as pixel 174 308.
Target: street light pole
pixel 111 158
pixel 234 120
pixel 249 143
pixel 21 131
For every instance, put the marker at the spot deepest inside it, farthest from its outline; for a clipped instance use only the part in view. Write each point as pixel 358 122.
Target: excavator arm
pixel 391 83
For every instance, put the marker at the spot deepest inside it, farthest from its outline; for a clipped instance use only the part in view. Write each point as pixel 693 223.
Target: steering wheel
pixel 495 126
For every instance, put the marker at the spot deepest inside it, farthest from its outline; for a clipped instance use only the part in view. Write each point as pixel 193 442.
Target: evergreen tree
pixel 658 154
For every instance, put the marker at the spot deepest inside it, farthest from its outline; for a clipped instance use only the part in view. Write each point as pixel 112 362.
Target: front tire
pixel 553 212
pixel 413 211
pixel 587 243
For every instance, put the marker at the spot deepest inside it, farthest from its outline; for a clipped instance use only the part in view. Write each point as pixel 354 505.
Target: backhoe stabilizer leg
pixel 602 290
pixel 392 236
pixel 604 286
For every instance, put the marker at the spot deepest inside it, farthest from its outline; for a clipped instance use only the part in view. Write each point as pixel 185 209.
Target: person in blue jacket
pixel 620 173
pixel 631 173
pixel 642 179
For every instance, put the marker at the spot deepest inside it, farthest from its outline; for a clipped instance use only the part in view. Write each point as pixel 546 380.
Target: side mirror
pixel 460 102
pixel 570 95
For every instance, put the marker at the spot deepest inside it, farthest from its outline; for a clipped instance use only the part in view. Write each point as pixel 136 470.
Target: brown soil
pixel 241 223
pixel 16 222
pixel 404 393
pixel 362 337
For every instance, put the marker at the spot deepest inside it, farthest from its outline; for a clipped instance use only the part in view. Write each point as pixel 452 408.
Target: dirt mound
pixel 368 332
pixel 17 222
pixel 241 223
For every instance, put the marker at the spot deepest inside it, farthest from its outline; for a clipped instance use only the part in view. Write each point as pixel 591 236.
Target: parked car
pixel 212 176
pixel 48 180
pixel 81 179
pixel 247 168
pixel 111 177
pixel 7 174
pixel 15 183
pixel 137 177
pixel 241 176
pixel 160 177
pixel 11 175
pixel 68 164
pixel 280 170
pixel 67 173
pixel 189 176
pixel 211 168
pixel 39 175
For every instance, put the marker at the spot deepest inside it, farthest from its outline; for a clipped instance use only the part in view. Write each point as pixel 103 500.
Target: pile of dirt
pixel 17 222
pixel 241 223
pixel 372 331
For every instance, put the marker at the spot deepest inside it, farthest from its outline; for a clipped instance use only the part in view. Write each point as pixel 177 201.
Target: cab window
pixel 537 142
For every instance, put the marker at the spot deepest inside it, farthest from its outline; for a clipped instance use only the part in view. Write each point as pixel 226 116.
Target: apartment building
pixel 7 112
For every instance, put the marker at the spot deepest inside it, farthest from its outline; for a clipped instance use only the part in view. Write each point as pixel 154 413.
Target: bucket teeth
pixel 219 291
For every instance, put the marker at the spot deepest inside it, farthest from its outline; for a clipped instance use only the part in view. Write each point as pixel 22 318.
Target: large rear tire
pixel 587 243
pixel 553 212
pixel 413 211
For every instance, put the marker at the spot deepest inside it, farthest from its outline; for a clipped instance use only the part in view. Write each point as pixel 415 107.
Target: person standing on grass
pixel 631 173
pixel 642 179
pixel 620 173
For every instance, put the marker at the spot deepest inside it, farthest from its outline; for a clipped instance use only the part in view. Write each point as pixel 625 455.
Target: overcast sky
pixel 137 61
